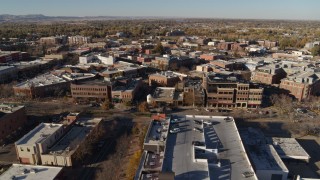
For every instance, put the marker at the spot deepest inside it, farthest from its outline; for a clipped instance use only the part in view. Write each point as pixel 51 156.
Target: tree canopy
pixel 315 50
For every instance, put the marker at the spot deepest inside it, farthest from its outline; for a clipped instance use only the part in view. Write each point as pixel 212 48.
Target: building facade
pixel 41 86
pixel 79 40
pixel 12 118
pixel 224 93
pixel 166 79
pixel 91 90
pixel 30 147
pixel 266 75
pixel 8 73
pixel 13 56
pixel 302 86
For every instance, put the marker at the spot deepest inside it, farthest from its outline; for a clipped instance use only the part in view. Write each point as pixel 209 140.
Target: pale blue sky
pixel 256 9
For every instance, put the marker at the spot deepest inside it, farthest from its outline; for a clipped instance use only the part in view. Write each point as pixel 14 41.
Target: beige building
pixel 62 152
pixel 37 141
pixel 78 40
pixel 31 172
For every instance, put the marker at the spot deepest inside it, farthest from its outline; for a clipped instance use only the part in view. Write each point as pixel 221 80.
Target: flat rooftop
pixel 8 109
pixel 39 133
pixel 128 87
pixel 42 80
pixel 23 64
pixel 157 132
pixel 289 148
pixel 2 68
pixel 69 142
pixel 95 82
pixel 167 74
pixel 78 76
pixel 262 155
pixel 164 93
pixel 222 145
pixel 31 172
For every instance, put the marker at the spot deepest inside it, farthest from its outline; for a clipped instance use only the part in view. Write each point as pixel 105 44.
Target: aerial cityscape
pixel 160 90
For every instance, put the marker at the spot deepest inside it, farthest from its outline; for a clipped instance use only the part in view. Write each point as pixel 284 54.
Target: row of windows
pixel 242 99
pixel 243 93
pixel 89 93
pixel 89 89
pixel 255 93
pixel 225 93
pixel 220 98
pixel 158 81
pixel 243 88
pixel 292 84
pixel 21 149
pixel 254 99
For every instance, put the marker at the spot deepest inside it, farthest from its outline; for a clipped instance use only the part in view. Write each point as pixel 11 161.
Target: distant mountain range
pixel 43 18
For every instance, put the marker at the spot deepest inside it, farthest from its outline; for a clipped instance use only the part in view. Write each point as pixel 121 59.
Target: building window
pixel 21 149
pixel 28 149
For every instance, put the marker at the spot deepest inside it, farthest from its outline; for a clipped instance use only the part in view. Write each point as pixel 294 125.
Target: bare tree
pixel 143 107
pixel 284 104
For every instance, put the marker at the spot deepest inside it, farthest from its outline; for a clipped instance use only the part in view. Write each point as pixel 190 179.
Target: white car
pixel 198 129
pixel 207 122
pixel 174 130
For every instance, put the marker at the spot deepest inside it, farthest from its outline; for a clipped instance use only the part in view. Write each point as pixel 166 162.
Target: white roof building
pixel 30 172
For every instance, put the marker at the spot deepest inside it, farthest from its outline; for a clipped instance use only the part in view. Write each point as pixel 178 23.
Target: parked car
pixel 198 122
pixel 174 130
pixel 198 143
pixel 174 121
pixel 198 129
pixel 207 122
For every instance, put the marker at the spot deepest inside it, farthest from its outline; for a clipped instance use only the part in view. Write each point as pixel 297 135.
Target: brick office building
pixel 97 90
pixel 41 86
pixel 166 79
pixel 302 85
pixel 268 75
pixel 226 92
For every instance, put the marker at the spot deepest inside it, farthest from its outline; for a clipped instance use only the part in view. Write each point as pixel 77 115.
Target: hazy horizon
pixel 245 9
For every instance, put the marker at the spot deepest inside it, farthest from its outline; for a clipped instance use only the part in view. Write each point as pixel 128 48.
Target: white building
pixel 86 59
pixel 106 60
pixel 264 158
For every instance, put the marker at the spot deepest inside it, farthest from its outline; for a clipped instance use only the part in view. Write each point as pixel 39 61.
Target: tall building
pixel 227 92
